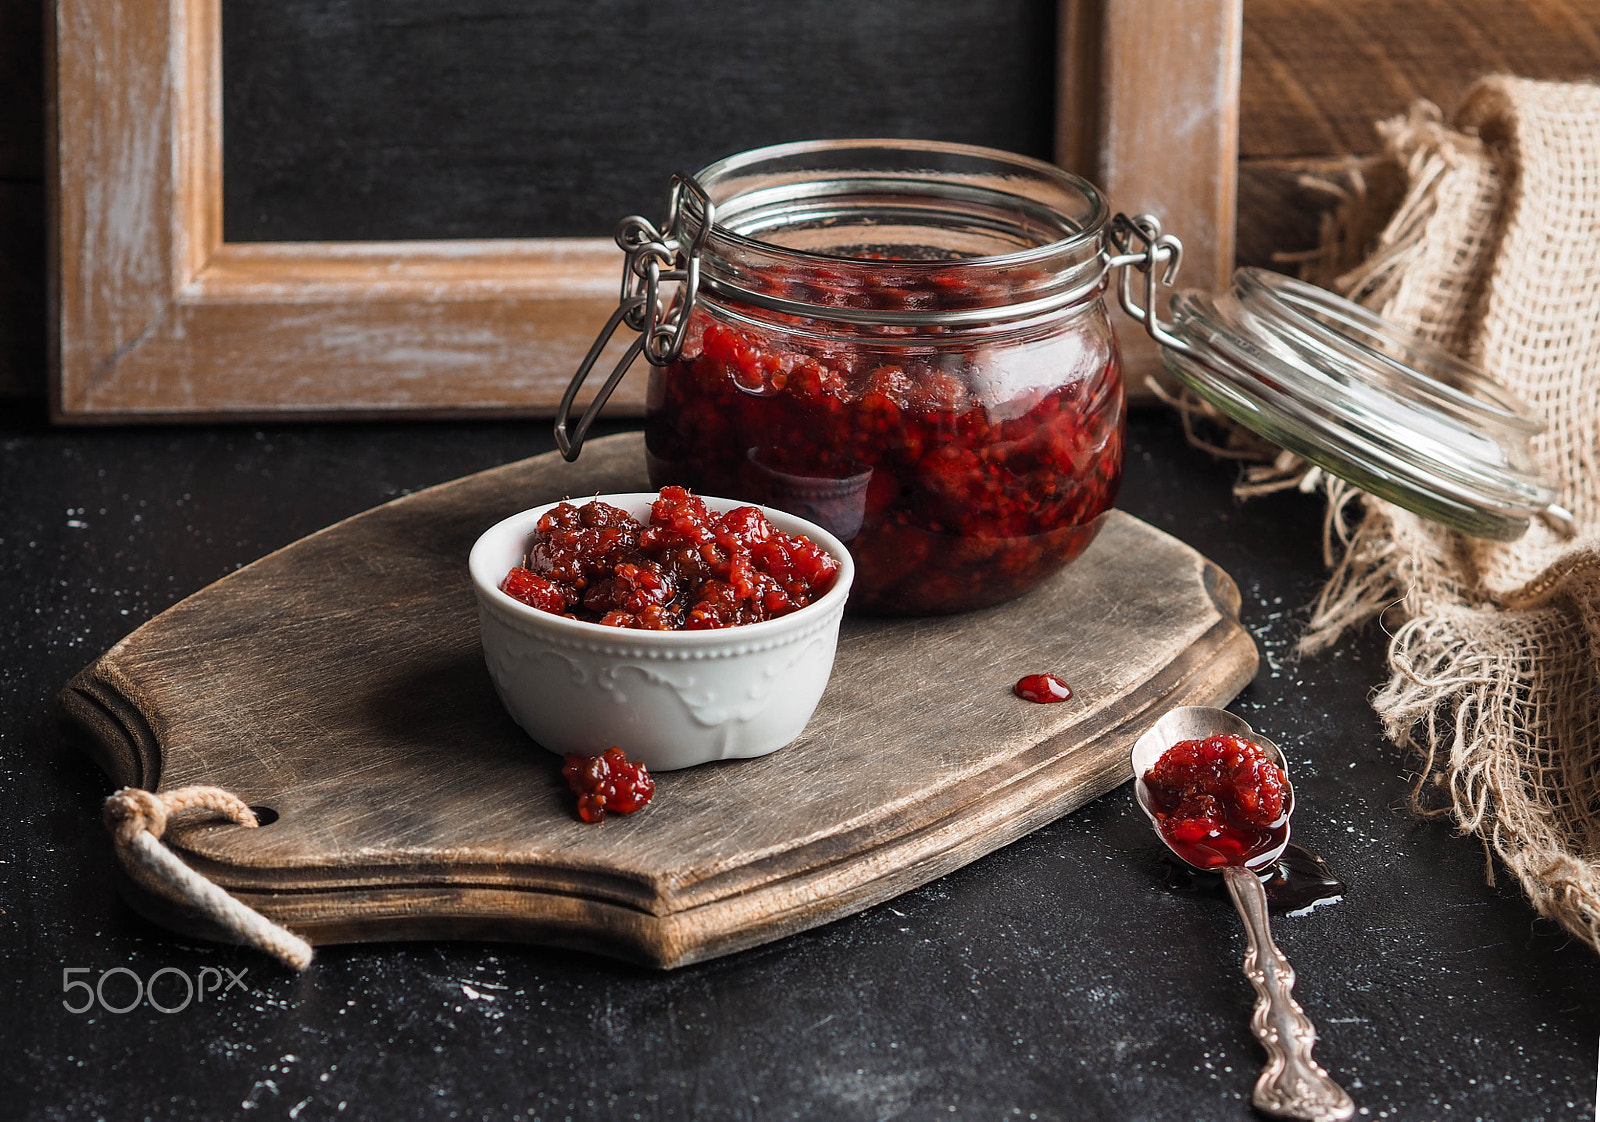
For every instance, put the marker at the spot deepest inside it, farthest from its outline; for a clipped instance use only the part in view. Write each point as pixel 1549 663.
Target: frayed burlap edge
pixel 1456 675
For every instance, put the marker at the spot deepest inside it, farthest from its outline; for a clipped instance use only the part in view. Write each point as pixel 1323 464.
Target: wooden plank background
pixel 1316 74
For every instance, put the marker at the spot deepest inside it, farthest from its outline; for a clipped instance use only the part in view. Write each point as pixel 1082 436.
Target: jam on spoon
pixel 1219 801
pixel 1220 798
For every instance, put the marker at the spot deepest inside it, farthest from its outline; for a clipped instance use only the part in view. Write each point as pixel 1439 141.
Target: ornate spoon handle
pixel 1292 1085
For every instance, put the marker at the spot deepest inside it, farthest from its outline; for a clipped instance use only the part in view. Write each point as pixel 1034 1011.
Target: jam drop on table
pixel 1219 801
pixel 960 474
pixel 1043 688
pixel 607 782
pixel 688 570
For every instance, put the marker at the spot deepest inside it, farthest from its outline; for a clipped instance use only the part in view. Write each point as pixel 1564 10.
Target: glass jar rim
pixel 717 173
pixel 981 198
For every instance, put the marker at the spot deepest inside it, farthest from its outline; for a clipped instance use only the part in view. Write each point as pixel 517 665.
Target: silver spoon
pixel 1292 1085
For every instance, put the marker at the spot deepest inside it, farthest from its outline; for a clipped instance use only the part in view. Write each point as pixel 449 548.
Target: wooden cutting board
pixel 339 683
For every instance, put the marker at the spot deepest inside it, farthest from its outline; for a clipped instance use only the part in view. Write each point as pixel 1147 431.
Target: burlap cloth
pixel 1494 252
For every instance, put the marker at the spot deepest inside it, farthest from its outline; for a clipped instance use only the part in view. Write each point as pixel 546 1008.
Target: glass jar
pixel 906 343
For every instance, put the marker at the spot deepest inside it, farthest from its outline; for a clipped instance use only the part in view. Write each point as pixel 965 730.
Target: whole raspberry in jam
pixel 534 590
pixel 576 545
pixel 1218 801
pixel 607 782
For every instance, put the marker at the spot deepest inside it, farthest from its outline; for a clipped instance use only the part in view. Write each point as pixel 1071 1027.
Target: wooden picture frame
pixel 155 317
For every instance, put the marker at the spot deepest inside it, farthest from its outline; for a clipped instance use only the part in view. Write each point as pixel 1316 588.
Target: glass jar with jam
pixel 907 343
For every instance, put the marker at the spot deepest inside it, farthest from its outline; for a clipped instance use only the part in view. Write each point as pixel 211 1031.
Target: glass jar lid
pixel 1359 397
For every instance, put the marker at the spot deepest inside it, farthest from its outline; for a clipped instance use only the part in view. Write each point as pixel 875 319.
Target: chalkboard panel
pixel 402 119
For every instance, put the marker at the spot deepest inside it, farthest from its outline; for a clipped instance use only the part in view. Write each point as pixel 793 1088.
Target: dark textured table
pixel 1058 978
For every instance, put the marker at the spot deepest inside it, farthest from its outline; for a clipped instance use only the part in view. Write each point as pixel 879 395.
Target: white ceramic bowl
pixel 669 699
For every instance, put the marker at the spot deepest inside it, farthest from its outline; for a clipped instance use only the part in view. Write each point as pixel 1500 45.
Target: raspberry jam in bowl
pixel 687 569
pixel 668 698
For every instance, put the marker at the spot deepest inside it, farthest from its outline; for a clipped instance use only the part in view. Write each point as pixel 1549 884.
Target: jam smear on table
pixel 1295 883
pixel 688 570
pixel 959 473
pixel 1042 688
pixel 1219 801
pixel 609 782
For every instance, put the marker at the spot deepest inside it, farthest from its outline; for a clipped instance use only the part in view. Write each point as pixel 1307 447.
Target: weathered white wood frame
pixel 156 317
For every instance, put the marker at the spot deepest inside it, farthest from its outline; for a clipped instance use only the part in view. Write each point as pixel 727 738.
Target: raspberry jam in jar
pixel 905 343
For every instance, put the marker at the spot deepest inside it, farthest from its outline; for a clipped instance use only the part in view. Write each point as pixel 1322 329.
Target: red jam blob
pixel 959 475
pixel 1043 688
pixel 688 570
pixel 1219 801
pixel 607 782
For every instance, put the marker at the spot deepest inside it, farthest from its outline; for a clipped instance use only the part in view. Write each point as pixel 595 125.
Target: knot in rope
pixel 137 820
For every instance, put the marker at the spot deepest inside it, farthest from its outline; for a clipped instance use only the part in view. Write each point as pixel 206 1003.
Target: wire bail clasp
pixel 651 257
pixel 1142 246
